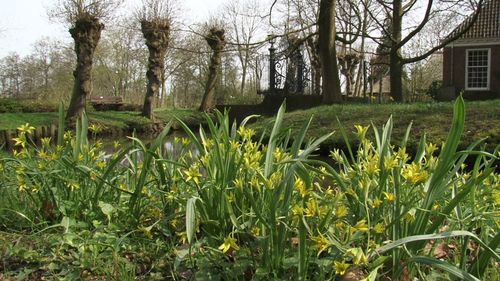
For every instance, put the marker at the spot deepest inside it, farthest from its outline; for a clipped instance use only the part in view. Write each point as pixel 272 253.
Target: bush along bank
pixel 232 207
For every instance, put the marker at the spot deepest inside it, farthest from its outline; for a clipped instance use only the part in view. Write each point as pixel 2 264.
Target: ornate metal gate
pixel 288 72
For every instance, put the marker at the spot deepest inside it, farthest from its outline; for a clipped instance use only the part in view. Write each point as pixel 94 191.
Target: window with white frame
pixel 477 73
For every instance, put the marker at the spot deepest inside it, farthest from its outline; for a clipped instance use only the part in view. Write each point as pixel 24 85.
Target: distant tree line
pixel 153 60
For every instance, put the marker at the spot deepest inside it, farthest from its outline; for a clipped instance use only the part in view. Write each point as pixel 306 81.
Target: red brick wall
pixel 454 71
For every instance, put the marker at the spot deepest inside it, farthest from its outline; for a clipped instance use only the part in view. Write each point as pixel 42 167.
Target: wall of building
pixel 454 59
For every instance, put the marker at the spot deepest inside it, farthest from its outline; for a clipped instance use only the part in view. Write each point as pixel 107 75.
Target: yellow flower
pixel 234 145
pixel 389 196
pixel 46 142
pixel 311 208
pixel 193 174
pixel 36 188
pixel 229 243
pixel 297 210
pixel 101 164
pixel 43 154
pixel 377 202
pixel 410 215
pixel 379 228
pixel 335 155
pixel 275 179
pixel 390 163
pixel 246 133
pixel 415 174
pixel 255 183
pixel 256 231
pixel 436 207
pixel 22 188
pixel 341 267
pixel 238 183
pixel 341 211
pixel 321 243
pixel 430 148
pixel 20 154
pixel 230 197
pixel 360 226
pixel 73 185
pixel 185 141
pixel 371 167
pixel 26 129
pixel 20 140
pixel 357 255
pixel 340 226
pixel 182 236
pixel 300 186
pixel 361 131
pixel 93 175
pixel 402 155
pixel 116 145
pixel 67 135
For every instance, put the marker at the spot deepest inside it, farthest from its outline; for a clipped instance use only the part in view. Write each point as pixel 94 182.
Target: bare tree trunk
pixel 395 59
pixel 360 83
pixel 156 33
pixel 216 41
pixel 86 34
pixel 328 52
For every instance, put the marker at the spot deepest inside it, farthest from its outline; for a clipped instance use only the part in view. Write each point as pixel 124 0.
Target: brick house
pixel 472 62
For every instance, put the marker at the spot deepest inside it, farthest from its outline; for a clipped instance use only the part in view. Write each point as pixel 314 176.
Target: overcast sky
pixel 22 22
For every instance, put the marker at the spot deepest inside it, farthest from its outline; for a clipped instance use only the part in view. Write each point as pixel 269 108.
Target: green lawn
pixel 433 119
pixel 111 120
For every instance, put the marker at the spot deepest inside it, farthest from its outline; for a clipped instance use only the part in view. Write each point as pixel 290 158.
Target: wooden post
pixel 8 140
pixel 53 131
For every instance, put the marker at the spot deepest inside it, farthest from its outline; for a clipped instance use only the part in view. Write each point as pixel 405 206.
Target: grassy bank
pixel 109 120
pixel 433 119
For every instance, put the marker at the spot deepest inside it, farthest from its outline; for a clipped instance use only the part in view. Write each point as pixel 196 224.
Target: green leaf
pixel 451 269
pixel 481 263
pixel 191 219
pixel 60 129
pixel 437 183
pixel 443 235
pixel 107 209
pixel 65 223
pixel 373 274
pixel 268 165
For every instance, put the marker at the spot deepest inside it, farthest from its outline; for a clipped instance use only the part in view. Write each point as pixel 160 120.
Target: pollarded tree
pixel 156 22
pixel 217 41
pixel 85 18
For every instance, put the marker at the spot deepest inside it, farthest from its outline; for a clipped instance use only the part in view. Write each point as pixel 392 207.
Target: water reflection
pixel 174 146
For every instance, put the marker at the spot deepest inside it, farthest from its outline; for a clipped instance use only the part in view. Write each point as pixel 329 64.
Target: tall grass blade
pixel 346 140
pixel 268 164
pixel 300 138
pixel 190 219
pixel 436 184
pixel 190 133
pixel 407 135
pixel 60 128
pixel 85 129
pixel 451 269
pixel 248 119
pixel 427 237
pixel 479 266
